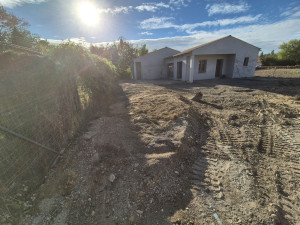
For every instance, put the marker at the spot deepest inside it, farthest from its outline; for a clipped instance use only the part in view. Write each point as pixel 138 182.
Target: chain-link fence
pixel 44 100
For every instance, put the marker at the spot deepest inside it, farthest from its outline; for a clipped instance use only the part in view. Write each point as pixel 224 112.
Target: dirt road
pixel 159 157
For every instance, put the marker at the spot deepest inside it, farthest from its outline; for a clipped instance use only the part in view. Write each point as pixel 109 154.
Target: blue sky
pixel 178 24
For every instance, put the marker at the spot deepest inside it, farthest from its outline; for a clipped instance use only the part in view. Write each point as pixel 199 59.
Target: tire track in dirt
pixel 282 144
pixel 271 143
pixel 211 172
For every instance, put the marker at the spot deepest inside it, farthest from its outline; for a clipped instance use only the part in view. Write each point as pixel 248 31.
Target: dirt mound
pixel 198 97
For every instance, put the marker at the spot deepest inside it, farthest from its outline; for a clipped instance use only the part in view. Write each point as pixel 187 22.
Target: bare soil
pixel 159 157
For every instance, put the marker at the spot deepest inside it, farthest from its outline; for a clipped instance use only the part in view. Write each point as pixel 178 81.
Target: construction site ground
pixel 165 154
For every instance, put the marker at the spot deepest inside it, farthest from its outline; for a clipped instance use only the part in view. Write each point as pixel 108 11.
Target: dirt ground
pixel 161 156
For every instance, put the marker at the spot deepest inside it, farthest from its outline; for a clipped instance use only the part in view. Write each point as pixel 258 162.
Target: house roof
pixel 208 43
pixel 158 51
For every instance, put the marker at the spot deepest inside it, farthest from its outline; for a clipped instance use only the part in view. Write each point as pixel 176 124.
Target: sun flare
pixel 87 13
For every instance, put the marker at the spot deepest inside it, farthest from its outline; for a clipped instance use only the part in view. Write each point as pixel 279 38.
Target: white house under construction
pixel 227 56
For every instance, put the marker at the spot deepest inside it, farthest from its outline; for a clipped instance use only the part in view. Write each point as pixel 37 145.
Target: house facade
pixel 151 66
pixel 227 56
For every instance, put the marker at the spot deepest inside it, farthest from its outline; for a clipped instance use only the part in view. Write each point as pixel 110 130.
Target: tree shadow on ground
pixel 150 186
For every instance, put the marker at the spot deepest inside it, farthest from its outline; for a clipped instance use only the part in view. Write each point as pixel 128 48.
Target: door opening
pixel 170 70
pixel 179 70
pixel 138 66
pixel 219 68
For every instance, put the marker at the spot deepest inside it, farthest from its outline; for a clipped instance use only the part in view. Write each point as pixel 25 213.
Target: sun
pixel 88 13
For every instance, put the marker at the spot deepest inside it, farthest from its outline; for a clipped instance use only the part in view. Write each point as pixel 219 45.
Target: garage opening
pixel 138 67
pixel 179 70
pixel 170 70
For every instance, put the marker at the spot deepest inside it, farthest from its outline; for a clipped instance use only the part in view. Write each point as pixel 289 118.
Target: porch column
pixel 175 69
pixel 192 65
pixel 183 70
pixel 134 71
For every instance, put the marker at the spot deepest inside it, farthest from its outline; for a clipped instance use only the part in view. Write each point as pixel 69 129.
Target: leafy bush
pixel 94 76
pixel 73 57
pixel 98 78
pixel 121 54
pixel 289 55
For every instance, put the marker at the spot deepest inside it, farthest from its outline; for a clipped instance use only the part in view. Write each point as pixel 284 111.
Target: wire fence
pixel 277 67
pixel 40 110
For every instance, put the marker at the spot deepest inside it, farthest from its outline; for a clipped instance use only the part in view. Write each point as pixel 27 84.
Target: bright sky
pixel 179 24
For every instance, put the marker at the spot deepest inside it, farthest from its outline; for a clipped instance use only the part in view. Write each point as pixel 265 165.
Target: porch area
pixel 200 67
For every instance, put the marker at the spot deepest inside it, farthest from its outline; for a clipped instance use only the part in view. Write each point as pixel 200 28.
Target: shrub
pixel 98 78
pixel 70 55
pixel 93 76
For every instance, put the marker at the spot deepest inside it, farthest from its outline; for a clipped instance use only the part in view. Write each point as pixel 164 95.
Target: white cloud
pixel 166 22
pixel 14 3
pixel 80 40
pixel 148 7
pixel 162 5
pixel 189 28
pixel 152 7
pixel 121 9
pixel 226 8
pixel 292 12
pixel 157 23
pixel 146 33
pixel 179 3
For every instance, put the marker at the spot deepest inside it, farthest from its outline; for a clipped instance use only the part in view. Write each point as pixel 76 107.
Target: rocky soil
pixel 161 156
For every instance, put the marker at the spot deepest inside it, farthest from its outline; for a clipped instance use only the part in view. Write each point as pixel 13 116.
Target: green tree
pixel 22 37
pixel 143 50
pixel 290 51
pixel 126 53
pixel 261 56
pixel 13 30
pixel 121 53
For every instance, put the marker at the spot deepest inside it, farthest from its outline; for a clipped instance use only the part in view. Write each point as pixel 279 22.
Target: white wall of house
pixel 241 49
pixel 227 68
pixel 181 59
pixel 152 64
pixel 233 51
pixel 245 71
pixel 167 61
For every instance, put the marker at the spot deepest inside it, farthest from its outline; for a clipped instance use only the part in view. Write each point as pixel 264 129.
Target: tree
pixel 261 56
pixel 143 50
pixel 269 59
pixel 121 53
pixel 126 53
pixel 290 51
pixel 13 30
pixel 43 46
pixel 22 37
